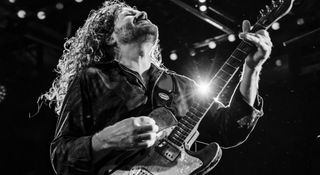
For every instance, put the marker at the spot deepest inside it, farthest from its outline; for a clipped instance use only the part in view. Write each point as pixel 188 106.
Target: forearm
pixel 249 83
pixel 99 149
pixel 69 154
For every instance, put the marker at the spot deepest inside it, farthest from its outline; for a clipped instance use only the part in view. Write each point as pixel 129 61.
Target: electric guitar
pixel 171 154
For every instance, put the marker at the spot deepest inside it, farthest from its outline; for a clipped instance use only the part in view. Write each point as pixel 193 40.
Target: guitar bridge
pixel 167 150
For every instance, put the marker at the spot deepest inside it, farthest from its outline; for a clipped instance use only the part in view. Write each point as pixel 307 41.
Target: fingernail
pixel 241 35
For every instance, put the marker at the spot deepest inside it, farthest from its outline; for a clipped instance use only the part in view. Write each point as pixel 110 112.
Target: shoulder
pixel 98 71
pixel 181 79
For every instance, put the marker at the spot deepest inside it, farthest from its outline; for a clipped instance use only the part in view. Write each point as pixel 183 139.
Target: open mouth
pixel 140 21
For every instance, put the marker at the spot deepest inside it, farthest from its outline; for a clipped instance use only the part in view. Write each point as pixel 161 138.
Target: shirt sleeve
pixel 70 150
pixel 231 125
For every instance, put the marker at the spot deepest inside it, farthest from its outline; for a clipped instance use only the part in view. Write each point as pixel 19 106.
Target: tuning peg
pixel 268 8
pixel 274 4
pixel 277 2
pixel 262 12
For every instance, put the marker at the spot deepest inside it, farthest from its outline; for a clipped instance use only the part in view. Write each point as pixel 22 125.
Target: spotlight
pixel 79 1
pixel 275 26
pixel 41 15
pixel 278 62
pixel 21 13
pixel 59 6
pixel 203 8
pixel 192 52
pixel 231 38
pixel 202 1
pixel 173 56
pixel 3 93
pixel 203 88
pixel 300 21
pixel 12 1
pixel 212 45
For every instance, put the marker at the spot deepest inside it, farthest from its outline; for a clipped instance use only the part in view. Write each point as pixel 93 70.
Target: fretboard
pixel 200 107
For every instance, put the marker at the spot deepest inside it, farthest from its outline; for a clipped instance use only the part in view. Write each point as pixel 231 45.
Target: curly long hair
pixel 88 46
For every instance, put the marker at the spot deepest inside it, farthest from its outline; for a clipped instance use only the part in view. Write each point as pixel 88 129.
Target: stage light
pixel 300 21
pixel 231 38
pixel 275 26
pixel 59 6
pixel 41 15
pixel 203 8
pixel 12 1
pixel 212 45
pixel 173 56
pixel 21 13
pixel 278 62
pixel 79 1
pixel 203 88
pixel 202 1
pixel 192 52
pixel 3 93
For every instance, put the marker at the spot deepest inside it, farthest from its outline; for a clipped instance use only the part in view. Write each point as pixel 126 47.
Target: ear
pixel 112 39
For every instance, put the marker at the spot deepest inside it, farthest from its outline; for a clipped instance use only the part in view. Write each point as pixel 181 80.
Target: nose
pixel 142 16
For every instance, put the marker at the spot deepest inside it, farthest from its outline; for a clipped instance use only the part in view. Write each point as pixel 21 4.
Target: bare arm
pixel 253 63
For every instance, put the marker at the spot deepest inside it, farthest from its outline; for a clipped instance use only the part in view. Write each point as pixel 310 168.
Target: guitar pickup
pixel 167 150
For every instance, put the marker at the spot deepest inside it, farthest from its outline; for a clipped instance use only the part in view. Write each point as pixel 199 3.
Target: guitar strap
pixel 165 91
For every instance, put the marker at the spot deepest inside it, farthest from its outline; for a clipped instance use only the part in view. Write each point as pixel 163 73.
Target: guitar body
pixel 165 158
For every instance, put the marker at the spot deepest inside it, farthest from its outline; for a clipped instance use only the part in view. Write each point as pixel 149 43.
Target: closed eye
pixel 130 14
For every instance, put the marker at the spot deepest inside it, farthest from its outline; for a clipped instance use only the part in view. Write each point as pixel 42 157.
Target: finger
pixel 148 143
pixel 262 41
pixel 263 33
pixel 252 38
pixel 146 128
pixel 145 137
pixel 145 120
pixel 246 26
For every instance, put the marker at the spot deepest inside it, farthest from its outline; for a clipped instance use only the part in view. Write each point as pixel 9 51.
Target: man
pixel 110 78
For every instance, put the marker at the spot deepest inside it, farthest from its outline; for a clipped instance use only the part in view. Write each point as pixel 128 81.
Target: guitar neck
pixel 200 107
pixel 229 69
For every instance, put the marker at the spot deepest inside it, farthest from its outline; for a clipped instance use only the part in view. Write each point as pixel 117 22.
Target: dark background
pixel 285 141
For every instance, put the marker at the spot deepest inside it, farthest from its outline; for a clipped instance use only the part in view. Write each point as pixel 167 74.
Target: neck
pixel 136 57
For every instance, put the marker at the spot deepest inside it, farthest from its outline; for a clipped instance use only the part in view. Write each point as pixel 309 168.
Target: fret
pixel 198 108
pixel 195 112
pixel 228 68
pixel 174 141
pixel 184 127
pixel 177 137
pixel 190 120
pixel 181 131
pixel 216 93
pixel 242 51
pixel 242 44
pixel 224 75
pixel 185 123
pixel 181 135
pixel 192 116
pixel 218 83
pixel 234 62
pixel 236 58
pixel 227 63
pixel 225 81
pixel 217 88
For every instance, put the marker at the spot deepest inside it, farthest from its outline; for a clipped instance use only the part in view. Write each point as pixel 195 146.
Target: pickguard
pixel 157 163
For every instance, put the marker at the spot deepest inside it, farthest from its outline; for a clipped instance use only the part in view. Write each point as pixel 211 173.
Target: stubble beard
pixel 141 33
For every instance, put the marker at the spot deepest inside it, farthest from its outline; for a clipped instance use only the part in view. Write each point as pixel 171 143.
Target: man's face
pixel 133 26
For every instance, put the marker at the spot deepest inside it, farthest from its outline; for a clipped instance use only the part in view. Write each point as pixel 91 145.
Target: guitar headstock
pixel 272 13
